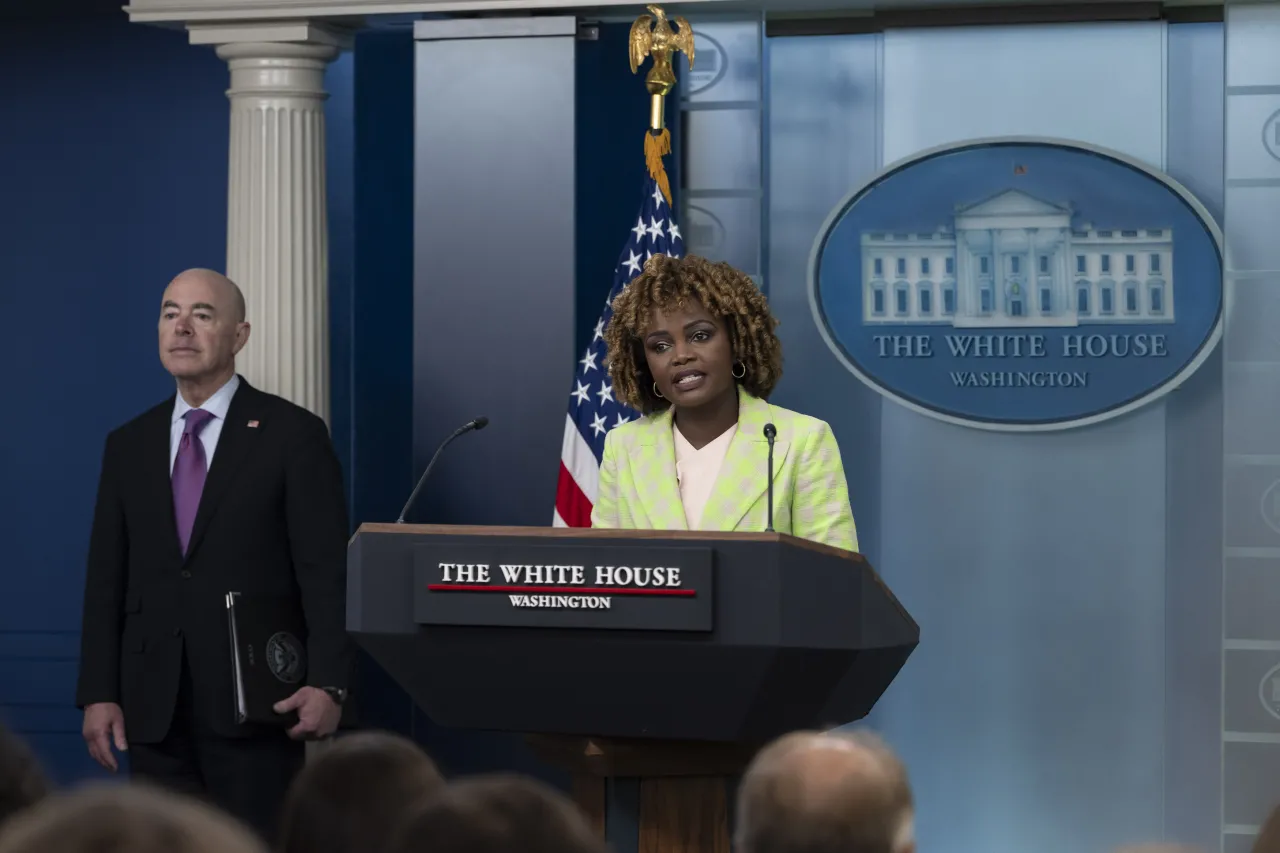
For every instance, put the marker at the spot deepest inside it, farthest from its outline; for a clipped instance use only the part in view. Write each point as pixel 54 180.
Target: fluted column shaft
pixel 277 226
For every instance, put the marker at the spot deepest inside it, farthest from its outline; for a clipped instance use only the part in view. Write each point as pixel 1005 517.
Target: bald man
pixel 833 792
pixel 220 487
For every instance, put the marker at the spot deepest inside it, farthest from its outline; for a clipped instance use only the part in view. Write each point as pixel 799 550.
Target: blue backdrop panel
pixel 1055 576
pixel 102 207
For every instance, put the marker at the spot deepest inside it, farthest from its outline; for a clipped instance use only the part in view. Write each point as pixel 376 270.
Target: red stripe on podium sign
pixel 576 590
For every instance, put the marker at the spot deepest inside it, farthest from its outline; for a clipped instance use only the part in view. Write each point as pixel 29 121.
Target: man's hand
pixel 103 725
pixel 318 714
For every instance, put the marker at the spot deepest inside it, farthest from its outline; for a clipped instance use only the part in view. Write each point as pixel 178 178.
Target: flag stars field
pixel 593 411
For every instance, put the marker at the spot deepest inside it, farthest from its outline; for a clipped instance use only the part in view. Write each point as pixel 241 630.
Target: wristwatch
pixel 337 694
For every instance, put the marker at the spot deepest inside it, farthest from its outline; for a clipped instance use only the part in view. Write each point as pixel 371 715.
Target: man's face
pixel 200 333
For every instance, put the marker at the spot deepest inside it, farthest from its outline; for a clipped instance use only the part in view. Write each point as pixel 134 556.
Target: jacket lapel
pixel 156 470
pixel 235 441
pixel 653 467
pixel 743 477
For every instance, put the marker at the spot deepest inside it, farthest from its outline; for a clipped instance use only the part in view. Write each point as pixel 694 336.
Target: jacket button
pixel 177 632
pixel 186 573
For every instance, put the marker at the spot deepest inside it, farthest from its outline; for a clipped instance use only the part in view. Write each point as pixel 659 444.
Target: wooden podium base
pixel 652 796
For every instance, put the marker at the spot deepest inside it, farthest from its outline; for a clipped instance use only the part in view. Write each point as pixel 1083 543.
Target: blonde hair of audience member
pixel 832 792
pixel 23 782
pixel 133 818
pixel 497 813
pixel 350 796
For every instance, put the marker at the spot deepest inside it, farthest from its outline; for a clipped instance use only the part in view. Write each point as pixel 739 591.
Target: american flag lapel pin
pixel 253 424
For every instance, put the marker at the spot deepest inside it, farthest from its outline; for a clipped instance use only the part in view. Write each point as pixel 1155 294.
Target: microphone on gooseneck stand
pixel 770 433
pixel 478 423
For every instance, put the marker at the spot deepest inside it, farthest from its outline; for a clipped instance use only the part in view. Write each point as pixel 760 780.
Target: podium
pixel 650 664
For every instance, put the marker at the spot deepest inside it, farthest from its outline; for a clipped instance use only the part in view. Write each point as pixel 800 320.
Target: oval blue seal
pixel 1019 283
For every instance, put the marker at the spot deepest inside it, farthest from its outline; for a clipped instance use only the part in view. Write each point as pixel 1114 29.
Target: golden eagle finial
pixel 660 42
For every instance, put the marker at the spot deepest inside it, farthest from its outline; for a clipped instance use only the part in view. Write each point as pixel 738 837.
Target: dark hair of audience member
pixel 1268 838
pixel 349 797
pixel 129 818
pixel 497 813
pixel 23 782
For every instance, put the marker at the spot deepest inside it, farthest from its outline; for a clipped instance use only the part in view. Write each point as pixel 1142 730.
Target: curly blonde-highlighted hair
pixel 725 292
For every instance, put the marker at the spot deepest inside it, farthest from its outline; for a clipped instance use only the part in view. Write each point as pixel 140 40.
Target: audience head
pixel 22 780
pixel 202 326
pixel 499 813
pixel 129 818
pixel 834 792
pixel 1268 838
pixel 349 797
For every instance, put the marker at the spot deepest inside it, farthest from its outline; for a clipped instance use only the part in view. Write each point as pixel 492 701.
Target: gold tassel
pixel 656 146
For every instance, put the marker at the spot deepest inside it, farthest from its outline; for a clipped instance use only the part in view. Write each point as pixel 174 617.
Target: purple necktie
pixel 189 469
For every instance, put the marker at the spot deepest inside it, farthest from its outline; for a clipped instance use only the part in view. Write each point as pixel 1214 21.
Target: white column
pixel 277 223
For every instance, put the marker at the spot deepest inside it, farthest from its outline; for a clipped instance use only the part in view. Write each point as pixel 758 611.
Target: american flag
pixel 592 409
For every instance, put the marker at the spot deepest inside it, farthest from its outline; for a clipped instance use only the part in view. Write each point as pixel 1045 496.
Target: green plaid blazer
pixel 638 489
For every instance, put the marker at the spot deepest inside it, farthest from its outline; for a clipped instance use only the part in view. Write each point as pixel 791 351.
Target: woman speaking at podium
pixel 691 346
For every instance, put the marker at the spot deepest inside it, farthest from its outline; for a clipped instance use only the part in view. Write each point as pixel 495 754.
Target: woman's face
pixel 689 355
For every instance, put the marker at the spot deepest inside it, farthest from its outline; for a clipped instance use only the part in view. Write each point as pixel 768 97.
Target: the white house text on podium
pixel 1014 260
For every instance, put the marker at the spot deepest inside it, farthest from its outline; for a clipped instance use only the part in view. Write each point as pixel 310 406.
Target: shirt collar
pixel 217 405
pixel 684 448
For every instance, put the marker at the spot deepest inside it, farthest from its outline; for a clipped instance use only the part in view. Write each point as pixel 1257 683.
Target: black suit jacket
pixel 272 521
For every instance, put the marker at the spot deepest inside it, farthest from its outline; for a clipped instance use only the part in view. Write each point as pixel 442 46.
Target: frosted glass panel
pixel 1063 698
pixel 1253 137
pixel 724 229
pixel 947 85
pixel 723 149
pixel 1253 694
pixel 1052 661
pixel 1253 31
pixel 1252 497
pixel 726 64
pixel 1253 320
pixel 1238 843
pixel 1252 418
pixel 1252 776
pixel 1251 687
pixel 1252 600
pixel 721 119
pixel 1252 243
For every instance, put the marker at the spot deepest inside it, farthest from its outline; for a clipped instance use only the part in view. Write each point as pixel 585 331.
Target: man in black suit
pixel 221 487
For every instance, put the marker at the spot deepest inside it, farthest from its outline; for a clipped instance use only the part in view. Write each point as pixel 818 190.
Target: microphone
pixel 770 433
pixel 478 423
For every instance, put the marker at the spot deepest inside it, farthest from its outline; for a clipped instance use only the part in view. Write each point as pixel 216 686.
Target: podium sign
pixel 600 585
pixel 794 634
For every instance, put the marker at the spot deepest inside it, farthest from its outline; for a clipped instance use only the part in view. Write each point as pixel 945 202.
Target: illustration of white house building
pixel 1015 260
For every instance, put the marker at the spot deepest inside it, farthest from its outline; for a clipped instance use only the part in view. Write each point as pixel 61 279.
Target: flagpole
pixel 660 42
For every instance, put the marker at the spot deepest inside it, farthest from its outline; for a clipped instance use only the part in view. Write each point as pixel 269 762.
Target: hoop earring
pixel 738 375
pixel 657 393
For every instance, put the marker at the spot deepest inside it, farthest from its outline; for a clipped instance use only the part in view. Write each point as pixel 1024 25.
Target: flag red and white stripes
pixel 592 409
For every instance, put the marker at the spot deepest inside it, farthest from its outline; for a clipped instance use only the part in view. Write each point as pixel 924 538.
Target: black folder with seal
pixel 268 656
